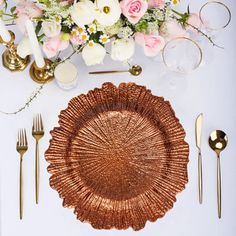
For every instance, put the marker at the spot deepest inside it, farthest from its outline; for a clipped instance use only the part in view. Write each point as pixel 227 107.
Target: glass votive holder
pixel 66 75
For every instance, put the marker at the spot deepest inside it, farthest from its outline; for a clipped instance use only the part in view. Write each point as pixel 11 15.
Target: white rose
pixel 108 12
pixel 94 54
pixel 24 48
pixel 51 29
pixel 83 12
pixel 122 49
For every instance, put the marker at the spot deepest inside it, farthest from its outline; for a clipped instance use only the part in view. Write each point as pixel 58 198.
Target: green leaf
pixel 65 29
pixel 95 37
pixel 38 27
pixel 178 13
pixel 13 9
pixel 40 37
pixel 43 1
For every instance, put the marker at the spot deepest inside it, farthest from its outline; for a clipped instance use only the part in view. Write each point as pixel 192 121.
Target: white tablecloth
pixel 211 90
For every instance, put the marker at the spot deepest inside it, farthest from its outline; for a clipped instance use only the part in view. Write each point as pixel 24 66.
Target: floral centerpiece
pixel 87 26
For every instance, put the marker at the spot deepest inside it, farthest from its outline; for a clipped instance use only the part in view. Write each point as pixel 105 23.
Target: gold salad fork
pixel 21 147
pixel 37 132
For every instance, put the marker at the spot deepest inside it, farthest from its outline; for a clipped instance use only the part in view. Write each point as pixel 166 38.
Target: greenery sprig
pixel 182 18
pixel 33 96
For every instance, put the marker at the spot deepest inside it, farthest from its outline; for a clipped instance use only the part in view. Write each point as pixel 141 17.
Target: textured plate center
pixel 119 153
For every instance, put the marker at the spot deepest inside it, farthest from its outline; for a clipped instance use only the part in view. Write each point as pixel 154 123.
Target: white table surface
pixel 211 90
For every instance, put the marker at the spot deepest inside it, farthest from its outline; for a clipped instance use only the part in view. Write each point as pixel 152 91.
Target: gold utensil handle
pixel 107 72
pixel 219 186
pixel 21 189
pixel 200 181
pixel 37 173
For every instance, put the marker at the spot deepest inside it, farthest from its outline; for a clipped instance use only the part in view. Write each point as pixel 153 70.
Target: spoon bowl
pixel 135 70
pixel 218 141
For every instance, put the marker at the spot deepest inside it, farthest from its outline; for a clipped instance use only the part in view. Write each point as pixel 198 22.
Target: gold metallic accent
pixel 135 70
pixel 10 59
pixel 220 3
pixel 21 147
pixel 42 75
pixel 184 38
pixel 218 141
pixel 106 9
pixel 119 156
pixel 38 133
pixel 198 135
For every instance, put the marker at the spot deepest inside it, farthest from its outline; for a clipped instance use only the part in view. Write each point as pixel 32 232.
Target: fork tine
pixel 18 137
pixel 33 127
pixel 21 138
pixel 41 122
pixel 35 123
pixel 38 123
pixel 25 138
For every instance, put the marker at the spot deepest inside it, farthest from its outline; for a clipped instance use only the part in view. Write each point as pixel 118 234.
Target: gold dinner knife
pixel 198 132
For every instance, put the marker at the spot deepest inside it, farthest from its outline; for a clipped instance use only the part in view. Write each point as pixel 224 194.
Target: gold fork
pixel 37 132
pixel 21 147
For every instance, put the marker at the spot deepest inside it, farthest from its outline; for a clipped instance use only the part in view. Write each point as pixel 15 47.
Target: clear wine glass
pixel 215 16
pixel 182 55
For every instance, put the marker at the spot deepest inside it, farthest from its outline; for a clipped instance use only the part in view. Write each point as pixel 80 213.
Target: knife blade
pixel 198 130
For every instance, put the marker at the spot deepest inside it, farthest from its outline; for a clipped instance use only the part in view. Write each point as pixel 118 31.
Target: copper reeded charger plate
pixel 119 157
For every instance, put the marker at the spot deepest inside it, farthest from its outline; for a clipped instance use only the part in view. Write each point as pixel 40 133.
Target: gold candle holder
pixel 10 59
pixel 42 75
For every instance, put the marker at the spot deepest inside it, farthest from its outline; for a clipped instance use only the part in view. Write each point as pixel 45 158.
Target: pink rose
pixel 53 45
pixel 134 9
pixel 172 29
pixel 152 44
pixel 156 3
pixel 26 10
pixel 76 40
pixel 195 21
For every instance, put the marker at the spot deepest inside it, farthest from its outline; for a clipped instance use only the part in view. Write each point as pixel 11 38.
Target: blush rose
pixel 53 45
pixel 152 44
pixel 134 9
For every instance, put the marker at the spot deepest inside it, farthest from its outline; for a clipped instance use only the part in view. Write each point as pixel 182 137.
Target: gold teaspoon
pixel 218 141
pixel 134 70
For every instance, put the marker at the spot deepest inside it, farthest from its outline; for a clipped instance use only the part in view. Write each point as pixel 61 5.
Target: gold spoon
pixel 218 141
pixel 134 70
